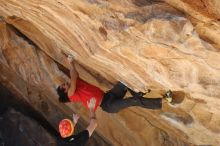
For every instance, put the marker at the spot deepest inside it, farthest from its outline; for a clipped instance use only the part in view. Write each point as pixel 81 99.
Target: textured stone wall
pixel 146 44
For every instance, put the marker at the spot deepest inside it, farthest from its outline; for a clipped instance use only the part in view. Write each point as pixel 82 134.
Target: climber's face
pixel 65 86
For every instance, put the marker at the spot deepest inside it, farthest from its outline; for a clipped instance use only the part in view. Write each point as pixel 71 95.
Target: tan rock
pixel 142 43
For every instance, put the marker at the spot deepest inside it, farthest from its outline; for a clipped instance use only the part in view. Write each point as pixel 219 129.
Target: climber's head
pixel 66 128
pixel 62 91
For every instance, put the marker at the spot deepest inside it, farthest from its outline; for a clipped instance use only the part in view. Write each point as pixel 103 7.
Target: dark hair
pixel 63 97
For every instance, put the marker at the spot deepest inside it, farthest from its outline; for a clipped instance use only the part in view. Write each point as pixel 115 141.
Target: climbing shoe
pixel 168 96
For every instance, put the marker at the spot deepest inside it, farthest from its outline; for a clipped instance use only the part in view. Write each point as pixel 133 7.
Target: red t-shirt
pixel 84 92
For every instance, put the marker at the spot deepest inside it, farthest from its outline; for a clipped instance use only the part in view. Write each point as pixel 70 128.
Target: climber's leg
pixel 119 90
pixel 151 103
pixel 113 105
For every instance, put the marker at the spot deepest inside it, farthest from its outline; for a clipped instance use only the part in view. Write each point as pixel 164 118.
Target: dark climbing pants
pixel 114 101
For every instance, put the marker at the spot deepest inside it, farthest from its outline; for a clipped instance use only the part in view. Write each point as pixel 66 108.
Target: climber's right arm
pixel 73 77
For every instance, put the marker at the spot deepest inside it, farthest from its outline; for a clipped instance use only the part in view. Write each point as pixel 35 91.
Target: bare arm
pixel 75 118
pixel 73 76
pixel 93 122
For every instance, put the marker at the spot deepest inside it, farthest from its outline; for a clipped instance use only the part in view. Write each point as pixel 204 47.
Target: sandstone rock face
pixel 159 45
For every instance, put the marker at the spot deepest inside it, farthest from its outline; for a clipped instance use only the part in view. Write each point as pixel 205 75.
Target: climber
pixel 112 101
pixel 66 128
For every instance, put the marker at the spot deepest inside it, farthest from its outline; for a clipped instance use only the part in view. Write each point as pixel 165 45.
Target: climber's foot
pixel 174 97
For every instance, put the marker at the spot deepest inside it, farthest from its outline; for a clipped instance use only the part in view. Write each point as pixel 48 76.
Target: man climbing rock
pixel 66 128
pixel 78 90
